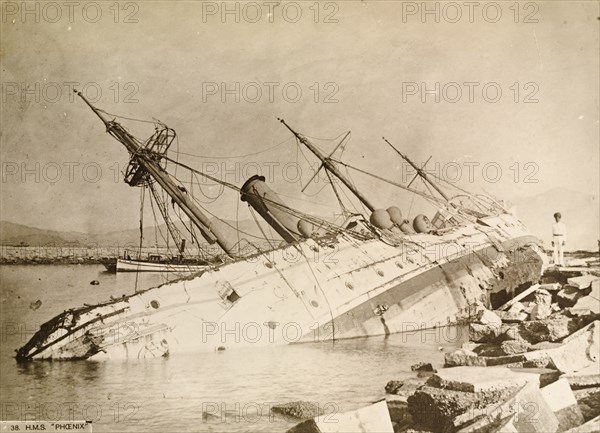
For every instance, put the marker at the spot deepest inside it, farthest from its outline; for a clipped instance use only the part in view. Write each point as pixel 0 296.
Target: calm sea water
pixel 234 389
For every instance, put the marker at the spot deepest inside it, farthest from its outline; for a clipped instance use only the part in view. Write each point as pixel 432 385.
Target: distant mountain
pixel 18 234
pixel 580 212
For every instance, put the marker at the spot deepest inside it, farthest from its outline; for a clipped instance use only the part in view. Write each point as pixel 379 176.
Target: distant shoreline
pixel 54 255
pixel 45 255
pixel 51 261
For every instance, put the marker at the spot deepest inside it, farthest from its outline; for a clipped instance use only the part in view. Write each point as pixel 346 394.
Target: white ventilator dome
pixel 395 215
pixel 380 218
pixel 421 224
pixel 308 229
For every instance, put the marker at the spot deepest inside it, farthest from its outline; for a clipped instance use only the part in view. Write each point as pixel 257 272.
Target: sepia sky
pixel 370 67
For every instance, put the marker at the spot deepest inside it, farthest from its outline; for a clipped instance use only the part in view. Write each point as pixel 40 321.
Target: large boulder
pixel 550 329
pixel 543 305
pixel 568 296
pixel 553 275
pixel 461 396
pixel 487 333
pixel 514 347
pixel 551 287
pixel 398 409
pixel 487 317
pixel 491 356
pixel 576 352
pixel 589 304
pixel 525 411
pixel 562 402
pixel 392 386
pixel 516 313
pixel 588 377
pixel 582 282
pixel 373 418
pixel 435 409
pixel 588 400
pixel 462 357
pixel 485 379
pixel 541 311
pixel 406 387
pixel 490 350
pixel 422 366
pixel 589 427
pixel 298 409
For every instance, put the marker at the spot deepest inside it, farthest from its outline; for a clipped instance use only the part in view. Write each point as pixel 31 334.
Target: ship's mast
pixel 149 162
pixel 330 166
pixel 420 172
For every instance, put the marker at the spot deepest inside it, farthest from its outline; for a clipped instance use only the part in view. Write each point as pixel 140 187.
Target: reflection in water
pixel 228 391
pixel 70 373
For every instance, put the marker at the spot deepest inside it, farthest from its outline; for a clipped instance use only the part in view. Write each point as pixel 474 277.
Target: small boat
pixel 157 263
pixel 154 263
pixel 110 264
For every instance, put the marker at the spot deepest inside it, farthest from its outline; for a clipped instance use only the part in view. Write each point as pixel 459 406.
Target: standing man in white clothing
pixel 559 238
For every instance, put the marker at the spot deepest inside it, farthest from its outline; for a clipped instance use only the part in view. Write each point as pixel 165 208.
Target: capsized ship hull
pixel 337 287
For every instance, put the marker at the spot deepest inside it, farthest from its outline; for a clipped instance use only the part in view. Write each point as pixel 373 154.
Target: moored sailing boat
pixel 325 282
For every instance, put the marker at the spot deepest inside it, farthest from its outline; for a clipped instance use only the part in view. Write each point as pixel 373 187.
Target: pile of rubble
pixel 531 365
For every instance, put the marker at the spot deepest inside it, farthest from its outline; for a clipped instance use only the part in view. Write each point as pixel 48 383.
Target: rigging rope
pixel 390 182
pixel 235 156
pixel 143 194
pixel 156 121
pixel 259 227
pixel 342 207
pixel 237 223
pixel 157 228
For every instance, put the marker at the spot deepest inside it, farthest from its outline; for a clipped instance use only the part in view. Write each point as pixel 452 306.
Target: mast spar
pixel 328 164
pixel 420 172
pixel 146 161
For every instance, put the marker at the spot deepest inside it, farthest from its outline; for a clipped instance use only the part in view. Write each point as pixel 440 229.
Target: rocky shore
pixel 57 255
pixel 531 365
pixel 92 260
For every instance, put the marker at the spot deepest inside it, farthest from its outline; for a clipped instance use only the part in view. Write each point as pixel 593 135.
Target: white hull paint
pixel 313 290
pixel 124 265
